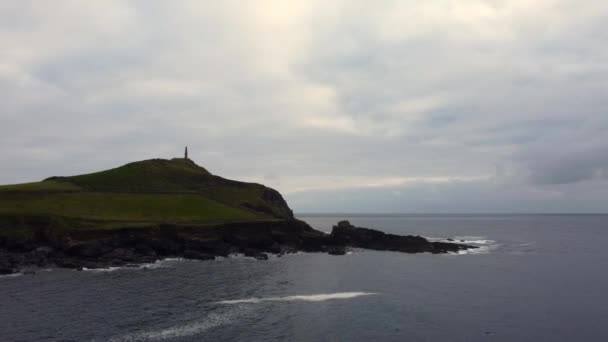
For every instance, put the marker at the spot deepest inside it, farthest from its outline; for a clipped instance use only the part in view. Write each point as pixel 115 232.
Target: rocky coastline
pixel 79 249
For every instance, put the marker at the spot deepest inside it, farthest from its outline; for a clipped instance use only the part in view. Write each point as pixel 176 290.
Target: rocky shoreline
pixel 92 249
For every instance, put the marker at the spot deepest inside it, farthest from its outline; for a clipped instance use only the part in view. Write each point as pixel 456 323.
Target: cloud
pixel 459 100
pixel 575 160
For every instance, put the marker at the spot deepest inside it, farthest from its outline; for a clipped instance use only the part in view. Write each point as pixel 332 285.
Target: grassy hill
pixel 142 193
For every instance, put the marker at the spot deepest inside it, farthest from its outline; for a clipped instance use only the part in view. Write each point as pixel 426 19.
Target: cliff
pixel 153 209
pixel 142 193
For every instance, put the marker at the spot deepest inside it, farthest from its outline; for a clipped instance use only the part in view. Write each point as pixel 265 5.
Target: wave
pixel 224 317
pixel 304 298
pixel 476 251
pixel 12 275
pixel 164 263
pixel 212 320
pixel 100 270
pixel 475 240
pixel 472 240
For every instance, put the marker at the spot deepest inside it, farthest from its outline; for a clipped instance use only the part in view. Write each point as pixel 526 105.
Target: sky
pixel 402 106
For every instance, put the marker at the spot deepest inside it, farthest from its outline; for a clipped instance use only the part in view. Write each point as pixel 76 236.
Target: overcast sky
pixel 349 106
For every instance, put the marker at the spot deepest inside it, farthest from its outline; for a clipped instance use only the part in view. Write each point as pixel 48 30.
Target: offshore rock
pixel 347 234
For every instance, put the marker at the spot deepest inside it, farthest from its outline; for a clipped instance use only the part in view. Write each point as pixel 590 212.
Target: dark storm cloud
pixel 391 106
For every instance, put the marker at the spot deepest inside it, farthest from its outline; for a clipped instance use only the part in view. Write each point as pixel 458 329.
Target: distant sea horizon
pixel 379 214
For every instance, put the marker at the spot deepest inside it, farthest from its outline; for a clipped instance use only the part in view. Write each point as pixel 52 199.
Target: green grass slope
pixel 156 175
pixel 126 207
pixel 46 186
pixel 156 190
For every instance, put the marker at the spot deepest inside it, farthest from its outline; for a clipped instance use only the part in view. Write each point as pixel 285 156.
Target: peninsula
pixel 159 208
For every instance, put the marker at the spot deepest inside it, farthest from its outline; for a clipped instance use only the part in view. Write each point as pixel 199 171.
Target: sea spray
pixel 304 298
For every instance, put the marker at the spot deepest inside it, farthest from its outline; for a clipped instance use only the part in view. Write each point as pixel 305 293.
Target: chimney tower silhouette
pixel 186 153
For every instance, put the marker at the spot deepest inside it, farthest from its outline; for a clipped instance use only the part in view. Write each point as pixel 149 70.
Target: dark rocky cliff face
pixel 103 248
pixel 275 200
pixel 99 248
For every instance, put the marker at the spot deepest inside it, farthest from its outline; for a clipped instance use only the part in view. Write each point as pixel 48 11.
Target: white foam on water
pixel 238 256
pixel 469 237
pixel 164 263
pixel 480 250
pixel 476 251
pixel 13 275
pixel 477 240
pixel 212 320
pixel 304 298
pixel 171 259
pixel 100 270
pixel 483 244
pixel 434 239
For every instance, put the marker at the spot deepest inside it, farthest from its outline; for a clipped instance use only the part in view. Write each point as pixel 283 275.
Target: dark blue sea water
pixel 538 278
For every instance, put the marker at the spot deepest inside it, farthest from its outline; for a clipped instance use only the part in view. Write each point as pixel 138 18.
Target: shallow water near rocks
pixel 535 277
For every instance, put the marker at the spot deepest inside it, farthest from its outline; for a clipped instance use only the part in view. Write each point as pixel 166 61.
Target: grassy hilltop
pixel 139 194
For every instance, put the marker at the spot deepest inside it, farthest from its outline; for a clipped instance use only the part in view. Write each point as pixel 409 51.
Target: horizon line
pixel 444 213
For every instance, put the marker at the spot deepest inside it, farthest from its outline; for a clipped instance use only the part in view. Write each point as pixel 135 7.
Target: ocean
pixel 535 278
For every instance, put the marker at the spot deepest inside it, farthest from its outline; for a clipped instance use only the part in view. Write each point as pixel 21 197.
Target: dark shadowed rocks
pixel 100 249
pixel 255 253
pixel 348 235
pixel 196 255
pixel 336 250
pixel 5 271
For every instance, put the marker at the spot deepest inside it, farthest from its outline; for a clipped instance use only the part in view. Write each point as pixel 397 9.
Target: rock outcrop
pixel 348 235
pixel 99 249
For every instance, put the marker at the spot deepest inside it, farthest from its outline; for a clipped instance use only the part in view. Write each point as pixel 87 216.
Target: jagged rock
pixel 254 239
pixel 121 254
pixel 5 271
pixel 19 246
pixel 276 201
pixel 89 249
pixel 67 263
pixel 190 254
pixel 286 249
pixel 347 234
pixel 145 250
pixel 254 253
pixel 336 250
pixel 275 248
pixel 165 247
pixel 45 249
pixel 261 256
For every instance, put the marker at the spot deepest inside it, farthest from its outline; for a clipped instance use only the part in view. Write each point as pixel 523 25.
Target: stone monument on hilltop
pixel 186 153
